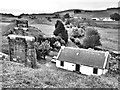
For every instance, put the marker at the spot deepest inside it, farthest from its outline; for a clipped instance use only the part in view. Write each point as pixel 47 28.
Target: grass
pixel 40 21
pixel 108 24
pixel 109 38
pixel 47 76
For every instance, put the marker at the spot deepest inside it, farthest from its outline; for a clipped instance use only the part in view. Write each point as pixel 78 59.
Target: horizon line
pixel 27 12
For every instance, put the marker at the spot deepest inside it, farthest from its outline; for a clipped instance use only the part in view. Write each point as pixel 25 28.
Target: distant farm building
pixel 107 19
pixel 89 62
pixel 102 19
pixel 95 19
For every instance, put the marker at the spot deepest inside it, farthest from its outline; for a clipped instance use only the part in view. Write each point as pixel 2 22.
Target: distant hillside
pixel 7 15
pixel 73 12
pixel 90 13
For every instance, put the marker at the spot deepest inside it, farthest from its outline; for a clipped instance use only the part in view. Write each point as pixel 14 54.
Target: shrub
pixel 115 17
pixel 49 19
pixel 91 31
pixel 43 49
pixel 61 31
pixel 63 19
pixel 67 22
pixel 56 15
pixel 91 39
pixel 67 15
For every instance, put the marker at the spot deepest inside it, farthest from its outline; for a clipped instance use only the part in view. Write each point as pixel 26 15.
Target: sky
pixel 17 7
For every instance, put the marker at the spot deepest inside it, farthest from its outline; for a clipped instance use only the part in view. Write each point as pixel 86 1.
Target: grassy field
pixel 108 24
pixel 48 76
pixel 47 29
pixel 109 38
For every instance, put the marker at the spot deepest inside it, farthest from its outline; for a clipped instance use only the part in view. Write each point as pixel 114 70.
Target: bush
pixel 67 22
pixel 115 17
pixel 91 31
pixel 49 19
pixel 61 31
pixel 56 15
pixel 43 49
pixel 67 15
pixel 91 39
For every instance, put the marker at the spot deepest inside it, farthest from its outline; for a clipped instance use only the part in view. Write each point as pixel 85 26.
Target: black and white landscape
pixel 59 44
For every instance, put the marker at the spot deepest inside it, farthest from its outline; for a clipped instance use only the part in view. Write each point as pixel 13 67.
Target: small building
pixel 97 19
pixel 84 61
pixel 107 19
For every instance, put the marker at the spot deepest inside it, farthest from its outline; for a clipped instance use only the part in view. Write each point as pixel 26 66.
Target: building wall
pixel 86 70
pixel 83 69
pixel 104 71
pixel 100 71
pixel 68 66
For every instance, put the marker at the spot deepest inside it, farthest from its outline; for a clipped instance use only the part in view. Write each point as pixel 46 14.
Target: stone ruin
pixel 21 46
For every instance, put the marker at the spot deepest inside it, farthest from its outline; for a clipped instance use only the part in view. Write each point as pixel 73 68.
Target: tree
pixel 91 39
pixel 115 17
pixel 67 22
pixel 49 19
pixel 56 15
pixel 67 15
pixel 43 49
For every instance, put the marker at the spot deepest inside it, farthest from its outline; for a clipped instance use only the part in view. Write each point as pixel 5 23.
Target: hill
pixel 90 13
pixel 72 12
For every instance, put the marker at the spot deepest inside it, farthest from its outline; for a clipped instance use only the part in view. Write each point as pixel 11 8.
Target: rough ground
pixel 48 76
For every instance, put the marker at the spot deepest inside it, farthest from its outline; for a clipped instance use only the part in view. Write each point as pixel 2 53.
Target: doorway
pixel 77 68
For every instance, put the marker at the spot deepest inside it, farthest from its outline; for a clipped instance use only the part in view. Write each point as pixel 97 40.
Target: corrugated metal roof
pixel 83 56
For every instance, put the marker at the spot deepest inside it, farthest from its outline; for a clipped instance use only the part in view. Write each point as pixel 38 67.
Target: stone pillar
pixel 25 52
pixel 10 54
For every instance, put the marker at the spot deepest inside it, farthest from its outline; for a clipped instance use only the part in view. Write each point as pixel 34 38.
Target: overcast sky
pixel 49 6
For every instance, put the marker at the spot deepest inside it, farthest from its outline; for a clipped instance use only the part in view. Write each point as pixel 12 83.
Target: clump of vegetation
pixel 61 31
pixel 56 15
pixel 49 19
pixel 67 15
pixel 115 17
pixel 67 22
pixel 91 39
pixel 43 49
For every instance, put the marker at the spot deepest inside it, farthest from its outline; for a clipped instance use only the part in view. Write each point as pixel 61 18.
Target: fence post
pixel 10 54
pixel 33 57
pixel 25 52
